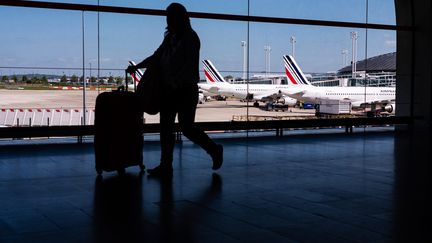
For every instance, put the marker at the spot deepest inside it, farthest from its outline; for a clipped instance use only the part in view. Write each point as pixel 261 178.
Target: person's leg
pixel 167 141
pixel 186 117
pixel 167 137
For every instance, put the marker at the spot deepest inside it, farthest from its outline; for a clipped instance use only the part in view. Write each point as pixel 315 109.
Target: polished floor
pixel 363 187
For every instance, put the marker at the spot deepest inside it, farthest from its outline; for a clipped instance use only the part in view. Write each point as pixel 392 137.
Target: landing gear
pixel 256 104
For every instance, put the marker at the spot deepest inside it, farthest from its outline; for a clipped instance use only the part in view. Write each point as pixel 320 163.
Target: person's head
pixel 177 18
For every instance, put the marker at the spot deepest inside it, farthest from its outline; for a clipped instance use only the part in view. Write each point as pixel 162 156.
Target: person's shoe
pixel 217 157
pixel 161 171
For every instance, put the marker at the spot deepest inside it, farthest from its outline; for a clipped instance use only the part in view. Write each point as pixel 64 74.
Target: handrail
pixel 88 130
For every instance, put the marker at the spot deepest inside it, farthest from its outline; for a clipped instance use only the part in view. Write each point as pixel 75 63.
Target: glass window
pixel 333 10
pixel 43 51
pixel 221 6
pixel 382 12
pixel 34 40
pixel 41 59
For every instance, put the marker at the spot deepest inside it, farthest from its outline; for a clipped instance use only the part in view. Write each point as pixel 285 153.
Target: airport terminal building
pixel 374 71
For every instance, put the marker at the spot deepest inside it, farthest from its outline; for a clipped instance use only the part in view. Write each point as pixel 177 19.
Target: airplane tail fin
pixel 293 72
pixel 212 75
pixel 138 74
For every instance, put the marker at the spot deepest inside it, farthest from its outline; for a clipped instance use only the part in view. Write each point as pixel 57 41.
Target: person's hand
pixel 131 69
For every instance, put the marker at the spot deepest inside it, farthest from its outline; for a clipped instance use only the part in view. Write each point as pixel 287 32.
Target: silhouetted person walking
pixel 178 60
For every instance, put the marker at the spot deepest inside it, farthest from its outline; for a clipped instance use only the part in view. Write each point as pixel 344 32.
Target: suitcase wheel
pixel 99 171
pixel 142 167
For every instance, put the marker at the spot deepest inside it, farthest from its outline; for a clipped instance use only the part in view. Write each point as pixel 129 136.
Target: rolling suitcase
pixel 118 140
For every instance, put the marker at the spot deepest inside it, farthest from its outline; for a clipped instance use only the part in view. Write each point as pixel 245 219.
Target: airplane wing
pixel 385 101
pixel 209 88
pixel 295 95
pixel 278 97
pixel 268 96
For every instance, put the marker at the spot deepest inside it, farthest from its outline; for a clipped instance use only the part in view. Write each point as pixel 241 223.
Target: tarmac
pixel 209 111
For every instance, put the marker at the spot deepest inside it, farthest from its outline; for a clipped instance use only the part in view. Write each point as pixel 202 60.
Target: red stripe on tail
pixel 290 76
pixel 208 76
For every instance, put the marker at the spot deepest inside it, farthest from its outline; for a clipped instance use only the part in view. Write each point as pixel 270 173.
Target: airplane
pixel 303 90
pixel 216 84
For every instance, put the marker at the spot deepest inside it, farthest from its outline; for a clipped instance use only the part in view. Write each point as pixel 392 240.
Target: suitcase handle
pixel 126 81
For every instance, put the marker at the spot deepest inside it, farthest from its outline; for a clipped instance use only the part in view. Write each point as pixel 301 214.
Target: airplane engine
pixel 390 108
pixel 286 101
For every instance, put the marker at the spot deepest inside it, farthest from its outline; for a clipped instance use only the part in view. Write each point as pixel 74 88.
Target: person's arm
pixel 146 62
pixel 143 64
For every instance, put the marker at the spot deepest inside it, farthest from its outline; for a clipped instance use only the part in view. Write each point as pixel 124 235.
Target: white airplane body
pixel 303 90
pixel 256 92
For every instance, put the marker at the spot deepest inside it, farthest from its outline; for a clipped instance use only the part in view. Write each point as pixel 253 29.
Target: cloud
pixel 390 43
pixel 8 59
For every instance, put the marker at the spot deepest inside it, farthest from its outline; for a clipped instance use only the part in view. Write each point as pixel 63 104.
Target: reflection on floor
pixel 369 187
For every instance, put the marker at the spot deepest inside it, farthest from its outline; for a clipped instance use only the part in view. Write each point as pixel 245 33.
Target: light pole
pixel 344 57
pixel 293 42
pixel 244 45
pixel 354 37
pixel 267 50
pixel 90 74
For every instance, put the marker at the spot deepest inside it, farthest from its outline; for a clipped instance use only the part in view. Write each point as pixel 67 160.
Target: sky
pixel 53 38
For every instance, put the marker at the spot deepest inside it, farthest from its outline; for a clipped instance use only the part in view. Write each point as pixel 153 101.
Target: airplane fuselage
pixel 256 92
pixel 357 95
